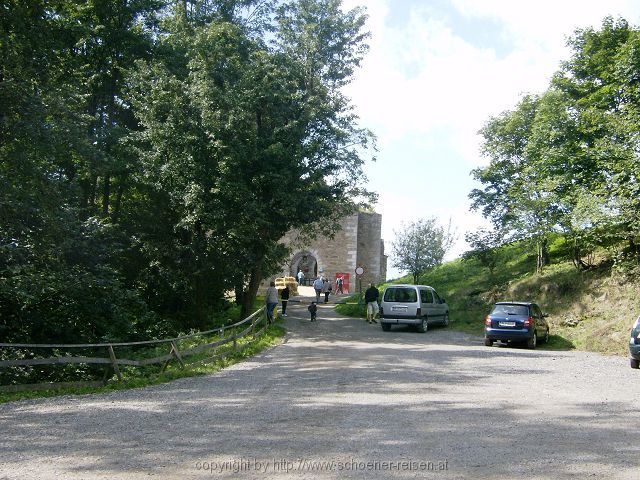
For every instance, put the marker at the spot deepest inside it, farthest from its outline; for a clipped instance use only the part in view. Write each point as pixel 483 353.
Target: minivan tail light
pixel 529 322
pixel 487 321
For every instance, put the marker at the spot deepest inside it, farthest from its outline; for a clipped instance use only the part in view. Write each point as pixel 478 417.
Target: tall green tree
pixel 516 194
pixel 57 279
pixel 270 142
pixel 420 246
pixel 598 80
pixel 567 160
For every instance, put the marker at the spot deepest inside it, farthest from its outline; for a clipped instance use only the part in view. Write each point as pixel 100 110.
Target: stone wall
pixel 357 243
pixel 369 232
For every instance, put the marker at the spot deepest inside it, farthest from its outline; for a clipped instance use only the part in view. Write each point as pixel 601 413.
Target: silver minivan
pixel 418 305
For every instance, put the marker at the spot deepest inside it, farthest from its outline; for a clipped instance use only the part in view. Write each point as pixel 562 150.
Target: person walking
pixel 317 286
pixel 326 288
pixel 284 296
pixel 313 309
pixel 271 299
pixel 300 277
pixel 339 283
pixel 371 299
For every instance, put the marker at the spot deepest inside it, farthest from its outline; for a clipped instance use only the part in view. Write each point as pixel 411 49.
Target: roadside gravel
pixel 342 399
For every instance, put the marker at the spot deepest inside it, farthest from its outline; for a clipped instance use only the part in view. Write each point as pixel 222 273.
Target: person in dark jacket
pixel 313 309
pixel 284 296
pixel 371 299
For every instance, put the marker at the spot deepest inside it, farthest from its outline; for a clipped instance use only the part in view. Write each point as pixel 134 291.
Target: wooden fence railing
pixel 112 361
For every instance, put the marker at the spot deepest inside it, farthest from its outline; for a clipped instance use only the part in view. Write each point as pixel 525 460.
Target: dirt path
pixel 342 399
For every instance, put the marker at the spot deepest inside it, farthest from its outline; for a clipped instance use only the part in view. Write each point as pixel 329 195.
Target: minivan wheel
pixel 445 322
pixel 533 341
pixel 634 363
pixel 424 326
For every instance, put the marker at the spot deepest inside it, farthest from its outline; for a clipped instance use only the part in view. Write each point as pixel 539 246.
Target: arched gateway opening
pixel 307 262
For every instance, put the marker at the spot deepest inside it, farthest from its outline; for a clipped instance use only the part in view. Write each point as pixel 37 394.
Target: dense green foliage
pixel 153 153
pixel 588 309
pixel 566 161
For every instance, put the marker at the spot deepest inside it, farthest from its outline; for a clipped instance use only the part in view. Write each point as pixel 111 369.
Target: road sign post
pixel 359 272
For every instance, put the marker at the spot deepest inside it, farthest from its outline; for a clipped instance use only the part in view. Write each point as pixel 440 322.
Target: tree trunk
pixel 545 252
pixel 202 293
pixel 118 203
pixel 577 256
pixel 543 255
pixel 633 248
pixel 92 194
pixel 239 291
pixel 106 194
pixel 250 294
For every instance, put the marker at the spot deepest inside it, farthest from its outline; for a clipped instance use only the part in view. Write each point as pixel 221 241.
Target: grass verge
pixel 590 310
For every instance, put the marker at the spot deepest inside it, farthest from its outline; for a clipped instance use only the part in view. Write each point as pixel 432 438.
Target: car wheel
pixel 546 336
pixel 488 342
pixel 424 326
pixel 445 322
pixel 533 341
pixel 385 326
pixel 634 363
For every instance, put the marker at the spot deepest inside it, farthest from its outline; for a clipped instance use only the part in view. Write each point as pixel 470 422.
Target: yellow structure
pixel 290 281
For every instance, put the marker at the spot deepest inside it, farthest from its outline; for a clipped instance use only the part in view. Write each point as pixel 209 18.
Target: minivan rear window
pixel 510 310
pixel 401 295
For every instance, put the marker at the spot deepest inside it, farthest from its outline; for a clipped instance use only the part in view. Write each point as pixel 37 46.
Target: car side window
pixel 425 296
pixel 436 297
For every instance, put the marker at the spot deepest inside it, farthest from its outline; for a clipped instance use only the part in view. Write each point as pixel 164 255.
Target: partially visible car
pixel 634 345
pixel 516 322
pixel 417 305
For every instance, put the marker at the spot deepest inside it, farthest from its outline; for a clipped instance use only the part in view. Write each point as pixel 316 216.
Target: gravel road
pixel 342 399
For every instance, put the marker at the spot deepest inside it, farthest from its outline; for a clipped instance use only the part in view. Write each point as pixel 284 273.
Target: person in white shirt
pixel 317 286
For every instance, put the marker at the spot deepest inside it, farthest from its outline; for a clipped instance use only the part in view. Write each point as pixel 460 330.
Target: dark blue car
pixel 634 344
pixel 516 322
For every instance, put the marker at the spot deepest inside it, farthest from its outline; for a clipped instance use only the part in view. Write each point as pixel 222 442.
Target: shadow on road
pixel 341 389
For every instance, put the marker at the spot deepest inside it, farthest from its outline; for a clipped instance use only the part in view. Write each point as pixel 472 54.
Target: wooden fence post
pixel 114 362
pixel 176 353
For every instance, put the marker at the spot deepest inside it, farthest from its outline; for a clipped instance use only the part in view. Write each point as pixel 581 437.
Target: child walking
pixel 313 309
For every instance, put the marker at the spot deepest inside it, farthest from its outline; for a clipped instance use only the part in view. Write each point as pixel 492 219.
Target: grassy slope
pixel 591 310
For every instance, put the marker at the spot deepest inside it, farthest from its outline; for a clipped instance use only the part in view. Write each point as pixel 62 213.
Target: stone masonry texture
pixel 358 242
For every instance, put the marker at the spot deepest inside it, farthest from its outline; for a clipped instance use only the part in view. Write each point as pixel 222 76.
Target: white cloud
pixel 423 77
pixel 427 88
pixel 548 22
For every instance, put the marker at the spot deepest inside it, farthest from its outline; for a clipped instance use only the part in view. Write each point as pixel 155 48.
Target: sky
pixel 436 72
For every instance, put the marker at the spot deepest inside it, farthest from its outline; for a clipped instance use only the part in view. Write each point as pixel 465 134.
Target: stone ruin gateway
pixel 358 243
